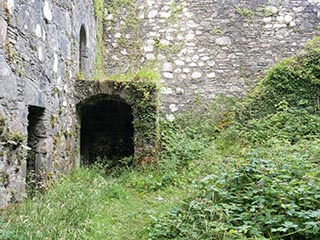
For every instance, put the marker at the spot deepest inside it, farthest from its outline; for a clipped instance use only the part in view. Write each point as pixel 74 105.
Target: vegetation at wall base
pixel 239 170
pixel 269 187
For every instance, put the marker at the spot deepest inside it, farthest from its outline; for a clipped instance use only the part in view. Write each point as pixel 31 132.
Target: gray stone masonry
pixel 203 48
pixel 39 61
pixel 200 48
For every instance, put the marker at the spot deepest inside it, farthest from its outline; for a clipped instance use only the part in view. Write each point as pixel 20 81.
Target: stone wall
pixel 201 48
pixel 39 62
pixel 208 47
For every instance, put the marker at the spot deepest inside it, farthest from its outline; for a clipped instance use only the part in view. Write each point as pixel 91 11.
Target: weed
pixel 248 13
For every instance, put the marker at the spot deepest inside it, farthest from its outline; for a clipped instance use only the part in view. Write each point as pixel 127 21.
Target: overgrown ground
pixel 245 170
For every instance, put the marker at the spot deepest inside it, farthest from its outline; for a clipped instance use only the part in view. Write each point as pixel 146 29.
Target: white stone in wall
pixel 152 13
pixel 190 36
pixel 268 26
pixel 55 62
pixel 179 62
pixel 201 63
pixel 150 56
pixel 47 11
pixel 196 75
pixel 193 86
pixel 298 9
pixel 164 42
pixel 186 13
pixel 205 58
pixel 150 3
pixel 281 20
pixel 288 18
pixel 211 75
pixel 109 17
pixel 10 6
pixel 231 56
pixel 211 63
pixel 292 24
pixel 38 30
pixel 166 91
pixel 272 9
pixel 179 90
pixel 169 36
pixel 168 75
pixel 165 14
pixel 186 70
pixel 222 41
pixel 153 34
pixel 267 19
pixel 141 15
pixel 148 48
pixel 40 54
pixel 178 70
pixel 167 67
pixel 275 26
pixel 124 52
pixel 161 57
pixel 180 37
pixel 59 83
pixel 117 35
pixel 195 58
pixel 173 108
pixel 115 58
pixel 192 24
pixel 193 64
pixel 3 32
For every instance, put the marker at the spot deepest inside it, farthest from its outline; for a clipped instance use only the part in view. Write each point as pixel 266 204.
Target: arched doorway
pixel 82 50
pixel 107 133
pixel 133 102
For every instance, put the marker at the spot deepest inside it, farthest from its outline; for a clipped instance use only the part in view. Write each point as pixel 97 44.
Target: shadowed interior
pixel 106 131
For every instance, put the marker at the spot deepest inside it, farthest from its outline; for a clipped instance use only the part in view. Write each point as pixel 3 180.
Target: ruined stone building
pixel 200 49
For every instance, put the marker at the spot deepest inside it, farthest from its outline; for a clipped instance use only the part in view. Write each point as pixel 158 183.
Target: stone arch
pixel 83 50
pixel 133 109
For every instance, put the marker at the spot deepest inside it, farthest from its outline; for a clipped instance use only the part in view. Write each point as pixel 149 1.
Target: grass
pixel 130 203
pixel 90 205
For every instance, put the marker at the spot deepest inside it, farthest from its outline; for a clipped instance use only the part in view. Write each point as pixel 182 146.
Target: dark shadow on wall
pixel 107 132
pixel 36 133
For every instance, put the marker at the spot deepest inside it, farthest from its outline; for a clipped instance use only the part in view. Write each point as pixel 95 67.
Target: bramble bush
pixel 269 187
pixel 272 193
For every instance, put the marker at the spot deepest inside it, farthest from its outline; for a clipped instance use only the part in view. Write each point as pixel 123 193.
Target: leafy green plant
pixel 248 13
pixel 14 138
pixel 276 198
pixel 294 81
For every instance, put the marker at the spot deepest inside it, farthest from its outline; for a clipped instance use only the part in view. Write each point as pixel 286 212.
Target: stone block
pixel 3 32
pixel 33 96
pixel 8 85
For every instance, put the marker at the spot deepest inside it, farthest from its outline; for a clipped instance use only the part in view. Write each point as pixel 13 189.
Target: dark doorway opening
pixel 106 132
pixel 36 132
